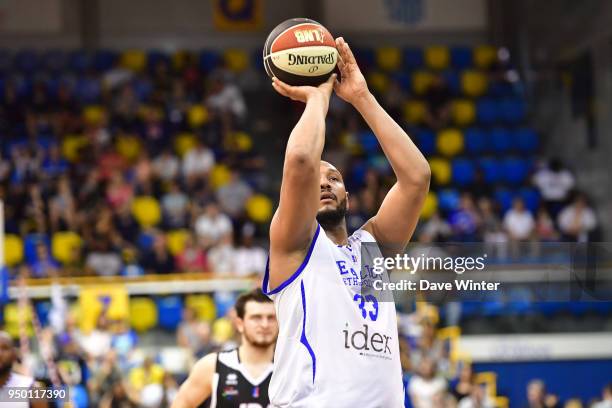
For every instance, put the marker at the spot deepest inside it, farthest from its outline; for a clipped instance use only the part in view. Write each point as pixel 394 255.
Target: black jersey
pixel 233 387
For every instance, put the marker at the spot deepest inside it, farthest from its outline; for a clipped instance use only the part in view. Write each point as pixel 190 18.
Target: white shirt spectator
pixel 229 99
pixel 198 162
pixel 97 343
pixel 469 402
pixel 104 263
pixel 213 228
pixel 519 224
pixel 554 185
pixel 233 196
pixel 423 391
pixel 577 221
pixel 166 166
pixel 250 260
pixel 222 258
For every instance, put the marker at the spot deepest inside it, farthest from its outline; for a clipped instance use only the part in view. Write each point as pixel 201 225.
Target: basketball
pixel 300 51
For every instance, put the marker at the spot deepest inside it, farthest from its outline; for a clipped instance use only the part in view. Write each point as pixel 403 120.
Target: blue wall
pixel 567 379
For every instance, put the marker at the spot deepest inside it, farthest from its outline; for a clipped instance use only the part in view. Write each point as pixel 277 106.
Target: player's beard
pixel 256 343
pixel 5 368
pixel 332 218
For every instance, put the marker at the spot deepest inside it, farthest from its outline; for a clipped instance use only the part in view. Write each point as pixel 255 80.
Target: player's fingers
pixel 350 58
pixel 279 89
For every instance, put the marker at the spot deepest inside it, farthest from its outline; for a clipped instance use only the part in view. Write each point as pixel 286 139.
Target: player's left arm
pixel 399 212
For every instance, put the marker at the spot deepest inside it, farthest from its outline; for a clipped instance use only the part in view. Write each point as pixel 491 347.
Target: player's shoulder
pixel 19 380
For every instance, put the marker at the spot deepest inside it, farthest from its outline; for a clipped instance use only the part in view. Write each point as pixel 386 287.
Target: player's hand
pixel 305 93
pixel 353 85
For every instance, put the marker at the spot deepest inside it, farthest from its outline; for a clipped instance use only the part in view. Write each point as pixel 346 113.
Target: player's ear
pixel 348 202
pixel 239 324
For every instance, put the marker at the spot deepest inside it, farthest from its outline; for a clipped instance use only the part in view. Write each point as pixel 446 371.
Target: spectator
pixel 118 192
pixel 123 341
pixel 222 257
pixel 175 207
pixel 158 260
pixel 53 165
pixel 148 373
pixel 166 166
pixel 103 260
pixel 606 398
pixel 437 96
pixel 491 226
pixel 104 374
pixel 250 259
pixel 212 225
pixel 435 229
pixel 476 399
pixel 465 221
pixel 518 222
pixel 425 384
pixel 120 395
pixel 555 183
pixel 232 196
pixel 465 383
pixel 62 210
pixel 197 163
pixel 429 347
pixel 193 334
pixel 44 266
pixel 573 403
pixel 97 343
pixel 536 394
pixel 225 98
pixel 545 227
pixel 192 258
pixel 577 220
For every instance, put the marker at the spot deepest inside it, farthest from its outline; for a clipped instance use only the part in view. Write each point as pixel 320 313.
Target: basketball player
pixel 12 380
pixel 336 347
pixel 240 377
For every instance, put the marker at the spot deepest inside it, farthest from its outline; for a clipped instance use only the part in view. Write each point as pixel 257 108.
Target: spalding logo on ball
pixel 300 51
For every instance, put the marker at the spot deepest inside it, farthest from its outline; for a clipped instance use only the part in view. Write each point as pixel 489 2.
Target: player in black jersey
pixel 238 378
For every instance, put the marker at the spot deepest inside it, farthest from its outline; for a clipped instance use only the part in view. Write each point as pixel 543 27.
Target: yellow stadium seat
pixel 449 142
pixel 463 112
pixel 184 142
pixel 197 116
pixel 259 208
pixel 473 83
pixel 414 111
pixel 421 81
pixel 72 145
pixel 440 170
pixel 179 60
pixel 13 250
pixel 14 317
pixel 222 330
pixel 437 57
pixel 204 306
pixel 389 58
pixel 143 314
pixel 128 146
pixel 176 240
pixel 219 176
pixel 94 114
pixel 65 245
pixel 430 206
pixel 241 141
pixel 146 211
pixel 484 56
pixel 378 81
pixel 134 60
pixel 236 60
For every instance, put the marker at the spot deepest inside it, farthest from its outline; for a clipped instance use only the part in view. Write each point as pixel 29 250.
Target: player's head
pixel 7 353
pixel 256 319
pixel 333 202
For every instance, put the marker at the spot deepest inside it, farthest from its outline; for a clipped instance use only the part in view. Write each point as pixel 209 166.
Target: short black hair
pixel 255 295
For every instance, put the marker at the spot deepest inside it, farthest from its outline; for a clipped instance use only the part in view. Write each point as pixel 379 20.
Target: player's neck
pixel 250 354
pixel 337 233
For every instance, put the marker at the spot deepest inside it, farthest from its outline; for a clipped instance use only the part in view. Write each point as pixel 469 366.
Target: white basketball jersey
pixel 21 382
pixel 336 347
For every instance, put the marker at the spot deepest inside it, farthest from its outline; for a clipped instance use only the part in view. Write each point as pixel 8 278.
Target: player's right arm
pixel 294 222
pixel 198 386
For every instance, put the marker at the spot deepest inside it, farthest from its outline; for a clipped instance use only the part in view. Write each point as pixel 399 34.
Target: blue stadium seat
pixel 500 89
pixel 461 57
pixel 103 60
pixel 224 302
pixel 426 140
pixel 155 57
pixel 476 141
pixel 453 81
pixel 491 169
pixel 368 141
pixel 413 58
pixel 365 57
pixel 463 171
pixel 42 312
pixel 145 241
pixel 403 79
pixel 79 396
pixel 209 60
pixel 448 199
pixel 27 61
pixel 500 140
pixel 142 88
pixel 170 309
pixel 504 197
pixel 81 61
pixel 515 170
pixel 512 110
pixel 519 301
pixel 470 308
pixel 549 309
pixel 487 111
pixel 29 246
pixel 88 90
pixel 531 198
pixel 527 140
pixel 54 61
